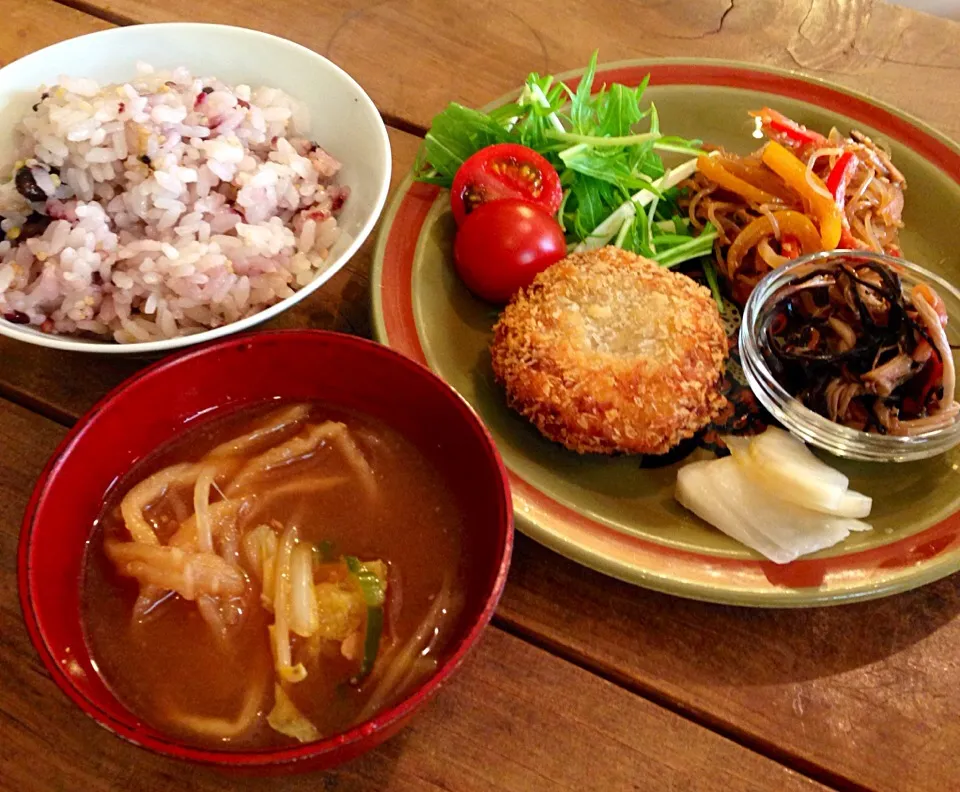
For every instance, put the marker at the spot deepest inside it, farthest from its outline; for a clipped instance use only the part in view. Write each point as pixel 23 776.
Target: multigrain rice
pixel 161 207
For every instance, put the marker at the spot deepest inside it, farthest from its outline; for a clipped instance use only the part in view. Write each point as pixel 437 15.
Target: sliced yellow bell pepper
pixel 714 170
pixel 814 192
pixel 790 223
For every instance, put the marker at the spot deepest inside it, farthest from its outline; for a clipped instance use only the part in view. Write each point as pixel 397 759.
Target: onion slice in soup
pixel 279 422
pixel 201 507
pixel 280 629
pixel 304 615
pixel 286 719
pixel 148 491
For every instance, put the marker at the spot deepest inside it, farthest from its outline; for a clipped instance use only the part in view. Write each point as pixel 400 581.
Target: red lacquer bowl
pixel 155 405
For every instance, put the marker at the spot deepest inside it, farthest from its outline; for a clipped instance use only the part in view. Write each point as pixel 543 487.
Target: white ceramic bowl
pixel 343 119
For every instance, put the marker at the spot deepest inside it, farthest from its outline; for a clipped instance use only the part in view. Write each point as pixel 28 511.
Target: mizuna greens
pixel 616 188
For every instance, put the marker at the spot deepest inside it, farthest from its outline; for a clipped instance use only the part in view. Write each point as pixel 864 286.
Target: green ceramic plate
pixel 614 515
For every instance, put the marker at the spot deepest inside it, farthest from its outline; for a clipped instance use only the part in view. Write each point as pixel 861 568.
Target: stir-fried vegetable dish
pixel 801 193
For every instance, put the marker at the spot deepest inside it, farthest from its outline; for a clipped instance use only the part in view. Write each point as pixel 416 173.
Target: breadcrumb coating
pixel 608 352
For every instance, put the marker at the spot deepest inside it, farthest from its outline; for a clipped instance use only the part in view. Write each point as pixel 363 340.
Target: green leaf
pixel 605 164
pixel 539 102
pixel 710 271
pixel 373 590
pixel 664 241
pixel 505 113
pixel 648 219
pixel 454 135
pixel 600 141
pixel 598 145
pixel 695 247
pixel 562 209
pixel 619 111
pixel 637 236
pixel 371 586
pixel 642 159
pixel 590 201
pixel 679 145
pixel 669 208
pixel 582 107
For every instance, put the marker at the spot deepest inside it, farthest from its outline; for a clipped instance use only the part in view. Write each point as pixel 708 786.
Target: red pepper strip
pixel 778 324
pixel 840 176
pixel 796 132
pixel 932 375
pixel 789 247
pixel 847 240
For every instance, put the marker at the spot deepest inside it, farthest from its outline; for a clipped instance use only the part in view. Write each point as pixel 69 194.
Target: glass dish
pixel 812 427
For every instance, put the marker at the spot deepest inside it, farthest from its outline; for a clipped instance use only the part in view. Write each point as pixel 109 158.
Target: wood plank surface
pixel 515 717
pixel 865 691
pixel 29 25
pixel 414 56
pixel 862 694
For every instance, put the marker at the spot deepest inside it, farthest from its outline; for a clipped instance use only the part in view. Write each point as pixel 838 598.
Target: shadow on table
pixel 639 633
pixel 64 385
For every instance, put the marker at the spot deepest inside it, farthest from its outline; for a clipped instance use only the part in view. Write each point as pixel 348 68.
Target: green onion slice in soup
pixel 374 595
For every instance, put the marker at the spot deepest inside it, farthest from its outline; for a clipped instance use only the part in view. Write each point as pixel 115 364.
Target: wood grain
pixel 866 691
pixel 414 56
pixel 515 718
pixel 862 694
pixel 34 24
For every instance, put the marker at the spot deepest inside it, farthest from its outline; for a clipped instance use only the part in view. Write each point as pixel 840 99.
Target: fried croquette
pixel 608 352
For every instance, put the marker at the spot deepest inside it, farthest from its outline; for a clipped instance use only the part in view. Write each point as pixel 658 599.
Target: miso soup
pixel 277 575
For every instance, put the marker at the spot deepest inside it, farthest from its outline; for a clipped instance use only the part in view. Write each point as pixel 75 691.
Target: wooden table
pixel 581 683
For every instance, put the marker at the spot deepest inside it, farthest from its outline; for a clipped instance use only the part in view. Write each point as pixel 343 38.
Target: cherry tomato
pixel 502 245
pixel 505 170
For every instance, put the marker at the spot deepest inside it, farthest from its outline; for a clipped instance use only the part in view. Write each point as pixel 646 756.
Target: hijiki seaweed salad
pixel 850 344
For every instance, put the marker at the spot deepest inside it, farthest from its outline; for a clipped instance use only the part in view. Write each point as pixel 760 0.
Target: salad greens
pixel 616 188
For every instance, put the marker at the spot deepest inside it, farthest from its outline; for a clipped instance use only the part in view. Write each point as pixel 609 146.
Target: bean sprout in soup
pixel 274 576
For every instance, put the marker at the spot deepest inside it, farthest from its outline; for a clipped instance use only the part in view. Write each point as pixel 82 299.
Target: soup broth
pixel 194 597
